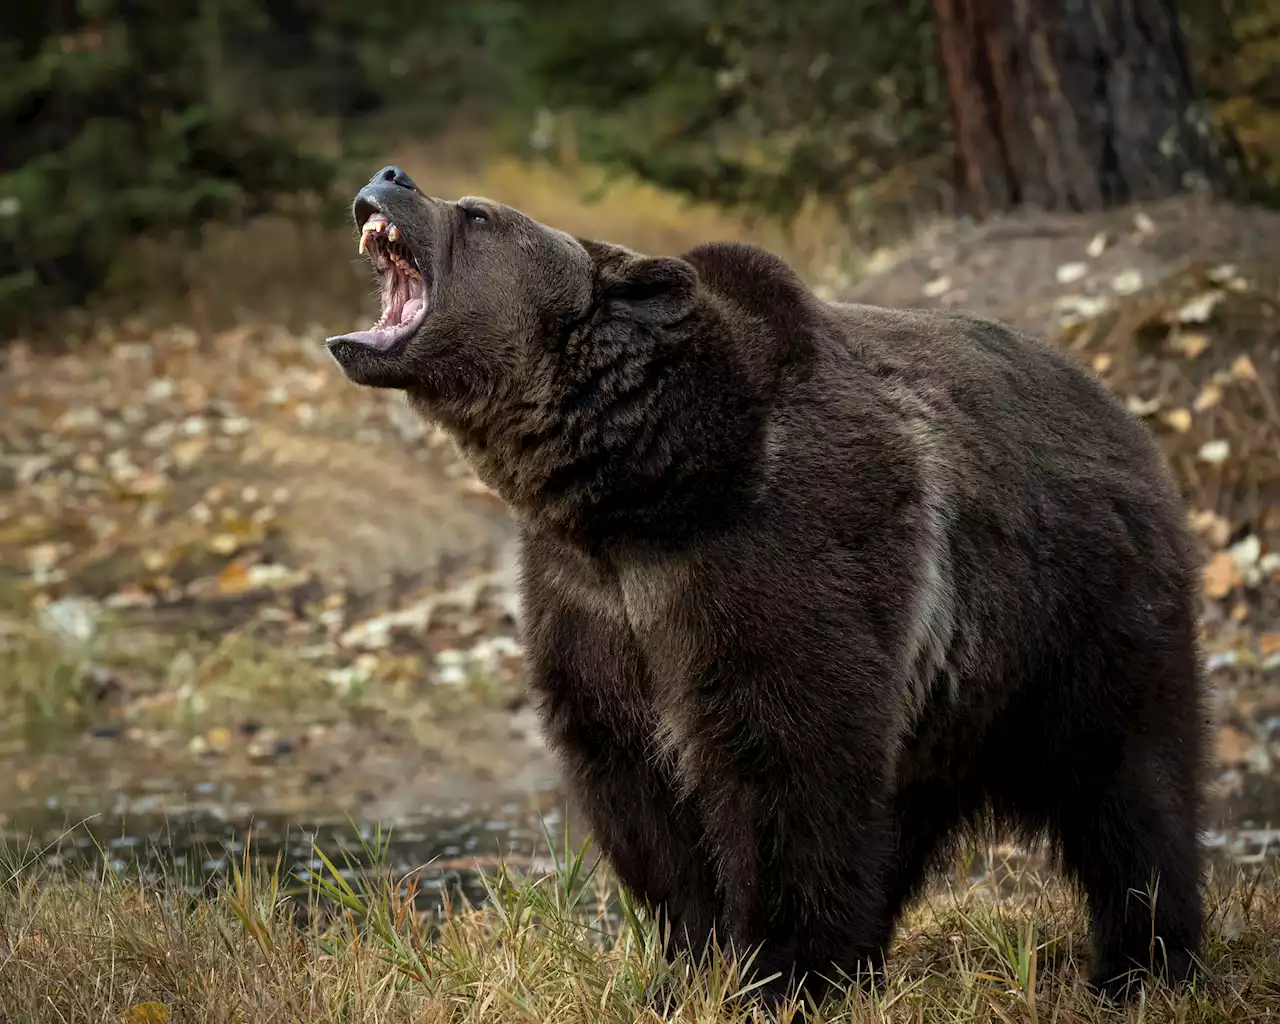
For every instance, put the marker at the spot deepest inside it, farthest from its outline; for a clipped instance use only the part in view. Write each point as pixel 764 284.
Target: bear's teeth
pixel 375 225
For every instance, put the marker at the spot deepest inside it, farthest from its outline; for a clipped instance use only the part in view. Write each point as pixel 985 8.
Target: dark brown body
pixel 807 587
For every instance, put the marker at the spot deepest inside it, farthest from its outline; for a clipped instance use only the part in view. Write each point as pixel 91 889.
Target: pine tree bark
pixel 1071 104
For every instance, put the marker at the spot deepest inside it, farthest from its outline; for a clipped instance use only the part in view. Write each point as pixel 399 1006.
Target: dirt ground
pixel 345 584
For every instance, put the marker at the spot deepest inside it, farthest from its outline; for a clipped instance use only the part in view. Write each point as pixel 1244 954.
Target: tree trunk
pixel 1071 104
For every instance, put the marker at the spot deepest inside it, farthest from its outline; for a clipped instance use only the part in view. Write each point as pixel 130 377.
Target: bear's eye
pixel 477 216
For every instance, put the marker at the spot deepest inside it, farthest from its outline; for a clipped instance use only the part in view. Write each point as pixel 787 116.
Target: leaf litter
pixel 158 484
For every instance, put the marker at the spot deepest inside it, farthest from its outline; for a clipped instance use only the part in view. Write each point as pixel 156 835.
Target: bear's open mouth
pixel 404 287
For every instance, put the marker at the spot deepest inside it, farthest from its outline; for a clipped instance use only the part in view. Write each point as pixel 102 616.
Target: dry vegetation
pixel 297 273
pixel 111 950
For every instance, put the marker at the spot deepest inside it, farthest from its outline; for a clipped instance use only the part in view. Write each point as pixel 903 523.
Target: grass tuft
pixel 563 946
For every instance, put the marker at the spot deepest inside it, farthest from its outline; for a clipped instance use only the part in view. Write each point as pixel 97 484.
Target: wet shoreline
pixel 442 854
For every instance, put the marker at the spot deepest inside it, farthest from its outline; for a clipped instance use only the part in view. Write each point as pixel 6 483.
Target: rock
pixel 106 732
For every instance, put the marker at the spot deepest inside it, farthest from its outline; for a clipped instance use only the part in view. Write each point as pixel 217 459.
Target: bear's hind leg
pixel 1133 845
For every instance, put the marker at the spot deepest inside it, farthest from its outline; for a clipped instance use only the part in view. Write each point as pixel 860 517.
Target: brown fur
pixel 810 586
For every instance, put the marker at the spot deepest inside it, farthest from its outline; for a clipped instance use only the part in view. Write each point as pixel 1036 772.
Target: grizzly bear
pixel 808 587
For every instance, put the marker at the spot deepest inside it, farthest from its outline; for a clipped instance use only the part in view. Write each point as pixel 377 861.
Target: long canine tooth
pixel 393 233
pixel 364 241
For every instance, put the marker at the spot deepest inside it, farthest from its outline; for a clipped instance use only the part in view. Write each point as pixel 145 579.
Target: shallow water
pixel 447 855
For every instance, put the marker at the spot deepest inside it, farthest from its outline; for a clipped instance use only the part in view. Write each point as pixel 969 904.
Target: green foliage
pixel 131 117
pixel 1236 47
pixel 736 101
pixel 119 120
pixel 763 104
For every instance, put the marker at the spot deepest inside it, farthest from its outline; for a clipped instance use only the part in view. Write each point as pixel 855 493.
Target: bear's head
pixel 479 299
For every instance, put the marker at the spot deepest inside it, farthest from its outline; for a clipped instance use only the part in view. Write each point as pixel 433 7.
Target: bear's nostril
pixel 396 176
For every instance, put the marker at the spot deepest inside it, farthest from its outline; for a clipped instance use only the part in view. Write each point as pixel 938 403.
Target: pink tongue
pixel 411 309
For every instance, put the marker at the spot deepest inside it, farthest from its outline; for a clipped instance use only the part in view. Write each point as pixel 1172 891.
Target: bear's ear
pixel 658 289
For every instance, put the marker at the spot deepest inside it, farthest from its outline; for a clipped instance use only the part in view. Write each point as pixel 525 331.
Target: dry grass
pixel 184 677
pixel 91 951
pixel 300 273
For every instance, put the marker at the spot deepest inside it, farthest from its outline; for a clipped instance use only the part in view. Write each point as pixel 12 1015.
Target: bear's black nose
pixel 396 176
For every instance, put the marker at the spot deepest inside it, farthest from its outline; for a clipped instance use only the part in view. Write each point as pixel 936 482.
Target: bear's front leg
pixel 589 682
pixel 795 798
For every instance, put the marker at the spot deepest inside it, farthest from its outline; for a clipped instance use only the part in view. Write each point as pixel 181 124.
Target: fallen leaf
pixel 233 579
pixel 131 596
pixel 1247 552
pixel 1142 407
pixel 1069 273
pixel 1214 451
pixel 156 560
pixel 1234 745
pixel 1209 396
pixel 938 286
pixel 276 576
pixel 147 482
pixel 1098 245
pixel 1200 309
pixel 224 543
pixel 1222 575
pixel 1127 282
pixel 218 738
pixel 1179 419
pixel 187 453
pixel 1084 306
pixel 31 467
pixel 1269 644
pixel 85 419
pixel 145 1013
pixel 1190 343
pixel 1222 272
pixel 1102 362
pixel 1216 529
pixel 1243 369
pixel 1143 224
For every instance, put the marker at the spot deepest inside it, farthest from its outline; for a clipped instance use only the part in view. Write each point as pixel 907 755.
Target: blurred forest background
pixel 128 119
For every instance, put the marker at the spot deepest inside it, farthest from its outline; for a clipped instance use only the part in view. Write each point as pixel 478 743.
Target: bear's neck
pixel 628 432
